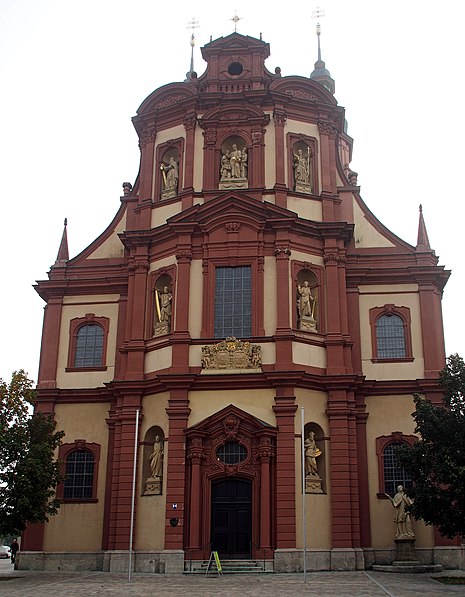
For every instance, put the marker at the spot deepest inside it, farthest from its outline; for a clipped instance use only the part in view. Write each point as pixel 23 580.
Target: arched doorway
pixel 231 521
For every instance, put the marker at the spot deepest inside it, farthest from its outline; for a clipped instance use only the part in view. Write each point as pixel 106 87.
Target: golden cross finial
pixel 235 20
pixel 318 13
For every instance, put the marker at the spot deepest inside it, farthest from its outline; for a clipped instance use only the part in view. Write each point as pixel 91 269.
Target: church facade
pixel 243 301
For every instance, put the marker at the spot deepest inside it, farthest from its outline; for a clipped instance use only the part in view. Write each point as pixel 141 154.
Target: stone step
pixel 227 567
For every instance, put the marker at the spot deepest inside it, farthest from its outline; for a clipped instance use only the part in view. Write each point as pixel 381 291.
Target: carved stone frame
pixel 177 144
pixel 63 452
pixel 74 327
pixel 404 314
pixel 313 143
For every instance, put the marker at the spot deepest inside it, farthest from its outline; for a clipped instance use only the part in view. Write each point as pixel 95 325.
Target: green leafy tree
pixel 436 463
pixel 29 471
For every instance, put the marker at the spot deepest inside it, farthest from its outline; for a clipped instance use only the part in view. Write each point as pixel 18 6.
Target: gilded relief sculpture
pixel 231 354
pixel 170 175
pixel 164 309
pixel 233 168
pixel 302 176
pixel 153 485
pixel 306 304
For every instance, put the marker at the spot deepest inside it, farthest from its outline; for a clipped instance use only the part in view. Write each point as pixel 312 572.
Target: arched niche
pixel 307 300
pixel 233 167
pixel 153 461
pixel 163 305
pixel 169 170
pixel 315 458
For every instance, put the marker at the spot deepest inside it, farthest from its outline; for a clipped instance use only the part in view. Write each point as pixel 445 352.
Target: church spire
pixel 63 254
pixel 193 24
pixel 321 73
pixel 422 239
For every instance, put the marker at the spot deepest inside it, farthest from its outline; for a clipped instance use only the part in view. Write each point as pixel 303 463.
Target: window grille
pixel 79 475
pixel 89 346
pixel 390 337
pixel 394 473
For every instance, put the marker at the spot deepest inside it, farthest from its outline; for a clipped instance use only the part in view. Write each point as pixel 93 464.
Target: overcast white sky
pixel 74 72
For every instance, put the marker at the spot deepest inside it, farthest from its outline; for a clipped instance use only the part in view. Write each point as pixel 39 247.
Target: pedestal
pixel 313 485
pixel 405 550
pixel 307 324
pixel 153 486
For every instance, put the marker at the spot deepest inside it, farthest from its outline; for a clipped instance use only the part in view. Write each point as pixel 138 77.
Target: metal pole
pixel 136 435
pixel 304 517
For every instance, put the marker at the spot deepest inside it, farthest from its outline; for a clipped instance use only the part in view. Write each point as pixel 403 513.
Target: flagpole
pixel 304 517
pixel 136 435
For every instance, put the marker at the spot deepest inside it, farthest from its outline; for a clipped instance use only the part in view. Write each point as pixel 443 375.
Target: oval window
pixel 231 453
pixel 235 68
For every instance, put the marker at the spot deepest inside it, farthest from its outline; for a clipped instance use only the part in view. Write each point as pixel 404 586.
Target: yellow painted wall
pixel 258 402
pixel 198 159
pixel 78 527
pixel 306 208
pixel 385 415
pixel 270 159
pixel 162 212
pixel 308 354
pixel 270 289
pixel 317 506
pixel 365 234
pixel 150 519
pixel 102 306
pixel 112 247
pixel 195 298
pixel 382 295
pixel 158 359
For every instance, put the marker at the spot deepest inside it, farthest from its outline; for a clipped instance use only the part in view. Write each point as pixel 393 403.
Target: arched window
pixel 88 338
pixel 89 346
pixel 79 473
pixel 391 333
pixel 391 473
pixel 390 337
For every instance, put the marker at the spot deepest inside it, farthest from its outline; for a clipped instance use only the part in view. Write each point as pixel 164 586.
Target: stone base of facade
pixel 161 562
pixel 285 560
pixel 291 560
pixel 450 558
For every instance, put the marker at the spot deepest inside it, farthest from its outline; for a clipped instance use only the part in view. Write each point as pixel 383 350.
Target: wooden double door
pixel 231 522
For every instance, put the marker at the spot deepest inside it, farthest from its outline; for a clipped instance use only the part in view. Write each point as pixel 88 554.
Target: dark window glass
pixel 231 453
pixel 89 346
pixel 394 474
pixel 233 302
pixel 79 475
pixel 390 337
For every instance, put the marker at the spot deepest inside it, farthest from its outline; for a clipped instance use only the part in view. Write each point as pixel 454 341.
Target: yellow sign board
pixel 217 561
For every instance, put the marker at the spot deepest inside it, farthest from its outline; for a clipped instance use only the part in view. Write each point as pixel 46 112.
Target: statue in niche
pixel 306 304
pixel 401 516
pixel 302 177
pixel 311 452
pixel 170 176
pixel 164 308
pixel 156 458
pixel 233 168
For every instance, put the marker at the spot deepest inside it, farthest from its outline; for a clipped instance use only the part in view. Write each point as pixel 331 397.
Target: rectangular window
pixel 233 302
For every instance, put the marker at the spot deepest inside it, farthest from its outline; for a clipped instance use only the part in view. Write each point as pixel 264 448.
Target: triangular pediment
pixel 229 420
pixel 232 205
pixel 235 41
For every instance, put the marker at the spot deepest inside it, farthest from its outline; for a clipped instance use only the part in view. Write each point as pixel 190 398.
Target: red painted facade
pixel 252 226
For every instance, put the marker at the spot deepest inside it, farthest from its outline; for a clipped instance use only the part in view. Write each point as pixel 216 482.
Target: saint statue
pixel 156 458
pixel 311 452
pixel 307 301
pixel 170 178
pixel 302 176
pixel 233 168
pixel 164 308
pixel 401 516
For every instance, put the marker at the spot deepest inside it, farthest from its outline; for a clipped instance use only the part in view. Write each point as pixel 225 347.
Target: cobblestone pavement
pixel 334 584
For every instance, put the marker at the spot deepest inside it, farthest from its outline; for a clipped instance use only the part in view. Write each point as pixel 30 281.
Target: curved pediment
pixel 245 114
pixel 166 97
pixel 303 89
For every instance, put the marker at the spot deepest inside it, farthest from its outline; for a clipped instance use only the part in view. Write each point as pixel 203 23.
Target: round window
pixel 231 453
pixel 235 68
